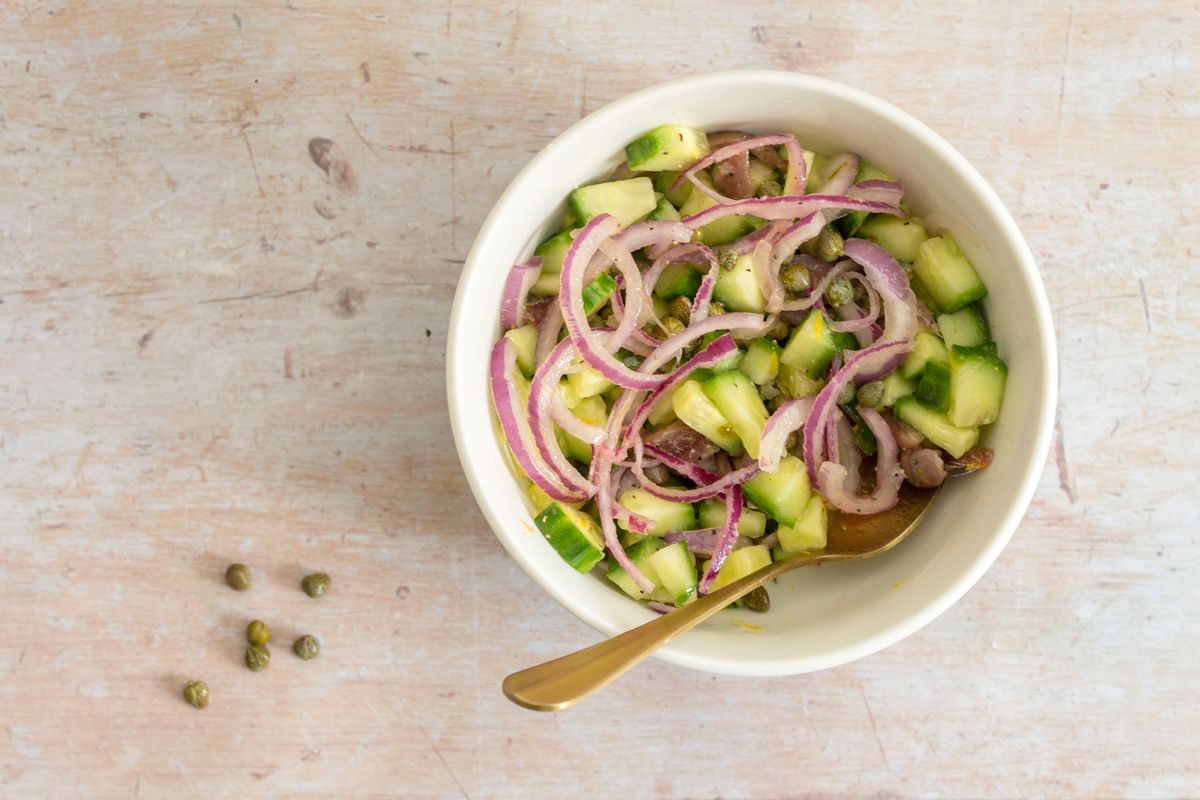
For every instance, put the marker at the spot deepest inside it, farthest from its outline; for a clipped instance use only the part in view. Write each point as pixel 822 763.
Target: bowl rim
pixel 970 574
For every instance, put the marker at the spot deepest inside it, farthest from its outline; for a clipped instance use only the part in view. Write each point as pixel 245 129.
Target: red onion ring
pixel 543 390
pixel 888 475
pixel 888 192
pixel 729 534
pixel 899 302
pixel 842 169
pixel 718 487
pixel 516 288
pixel 793 181
pixel 789 417
pixel 786 207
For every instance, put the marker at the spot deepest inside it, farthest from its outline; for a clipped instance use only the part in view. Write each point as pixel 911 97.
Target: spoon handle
pixel 561 683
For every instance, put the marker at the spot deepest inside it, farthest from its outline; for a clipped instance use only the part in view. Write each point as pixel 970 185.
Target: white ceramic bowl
pixel 820 617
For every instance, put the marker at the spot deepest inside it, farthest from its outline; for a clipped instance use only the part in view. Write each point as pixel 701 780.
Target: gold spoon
pixel 563 682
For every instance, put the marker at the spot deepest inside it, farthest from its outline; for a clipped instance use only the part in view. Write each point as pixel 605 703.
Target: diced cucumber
pixel 587 382
pixel 813 344
pixel 794 382
pixel 977 380
pixel 810 531
pixel 569 398
pixel 698 412
pixel 966 327
pixel 639 554
pixel 934 388
pixel 675 568
pixel 737 287
pixel 895 386
pixel 664 209
pixel 721 231
pixel 927 346
pixel 737 398
pixel 712 513
pixel 663 181
pixel 666 147
pixel 761 362
pixel 900 236
pixel 627 200
pixel 524 341
pixel 593 411
pixel 739 564
pixel 936 426
pixel 849 224
pixel 665 515
pixel 661 413
pixel 573 534
pixel 781 494
pixel 596 293
pixel 554 250
pixel 541 501
pixel 947 274
pixel 677 280
pixel 760 173
pixel 546 285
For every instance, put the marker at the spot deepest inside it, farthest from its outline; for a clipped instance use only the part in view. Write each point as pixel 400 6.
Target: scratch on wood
pixel 1060 458
pixel 365 69
pixel 1145 305
pixel 442 759
pixel 874 728
pixel 145 338
pixel 361 138
pixel 1062 78
pixel 312 287
pixel 253 164
pixel 453 185
pixel 287 364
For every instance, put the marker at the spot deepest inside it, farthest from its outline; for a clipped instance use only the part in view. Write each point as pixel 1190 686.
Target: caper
pixel 257 657
pixel 770 188
pixel 795 278
pixel 238 577
pixel 870 394
pixel 830 244
pixel 196 693
pixel 778 330
pixel 307 647
pixel 726 258
pixel 681 309
pixel 839 292
pixel 316 584
pixel 672 325
pixel 257 632
pixel 757 600
pixel 847 395
pixel 715 308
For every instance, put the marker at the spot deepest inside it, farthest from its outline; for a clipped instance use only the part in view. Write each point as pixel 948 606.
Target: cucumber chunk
pixel 698 412
pixel 781 494
pixel 947 274
pixel 554 250
pixel 546 285
pixel 927 346
pixel 524 339
pixel 596 293
pixel 900 236
pixel 541 501
pixel 675 568
pixel 587 382
pixel 810 531
pixel 737 398
pixel 665 515
pixel 721 231
pixel 593 411
pixel 663 181
pixel 712 514
pixel 849 224
pixel 760 173
pixel 934 388
pixel 794 382
pixel 895 386
pixel 627 200
pixel 737 288
pixel 813 345
pixel 677 280
pixel 936 426
pixel 977 380
pixel 666 147
pixel 639 553
pixel 966 327
pixel 573 534
pixel 761 362
pixel 739 564
pixel 664 209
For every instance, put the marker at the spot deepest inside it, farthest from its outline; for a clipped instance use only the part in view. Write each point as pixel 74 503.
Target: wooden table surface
pixel 214 351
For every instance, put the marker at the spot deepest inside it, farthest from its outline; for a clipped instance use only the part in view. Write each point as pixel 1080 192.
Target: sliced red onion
pixel 769 541
pixel 729 534
pixel 659 608
pixel 547 336
pixel 516 288
pixel 653 233
pixel 510 409
pixel 635 295
pixel 604 504
pixel 815 294
pixel 888 474
pixel 640 342
pixel 592 348
pixel 543 391
pixel 888 192
pixel 711 489
pixel 716 352
pixel 702 302
pixel 702 542
pixel 826 399
pixel 768 279
pixel 854 319
pixel 796 235
pixel 769 232
pixel 899 303
pixel 563 418
pixel 842 169
pixel 787 418
pixel 786 207
pixel 840 442
pixel 793 182
pixel 693 472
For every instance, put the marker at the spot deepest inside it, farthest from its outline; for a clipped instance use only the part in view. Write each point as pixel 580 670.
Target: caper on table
pixel 257 632
pixel 238 577
pixel 307 647
pixel 257 657
pixel 196 693
pixel 316 584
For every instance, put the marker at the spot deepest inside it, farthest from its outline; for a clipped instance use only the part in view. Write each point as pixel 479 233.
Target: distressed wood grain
pixel 218 347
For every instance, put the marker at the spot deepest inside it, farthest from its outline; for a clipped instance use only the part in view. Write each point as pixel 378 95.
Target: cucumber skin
pixel 572 534
pixel 667 147
pixel 737 398
pixel 934 388
pixel 936 426
pixel 948 274
pixel 781 494
pixel 974 370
